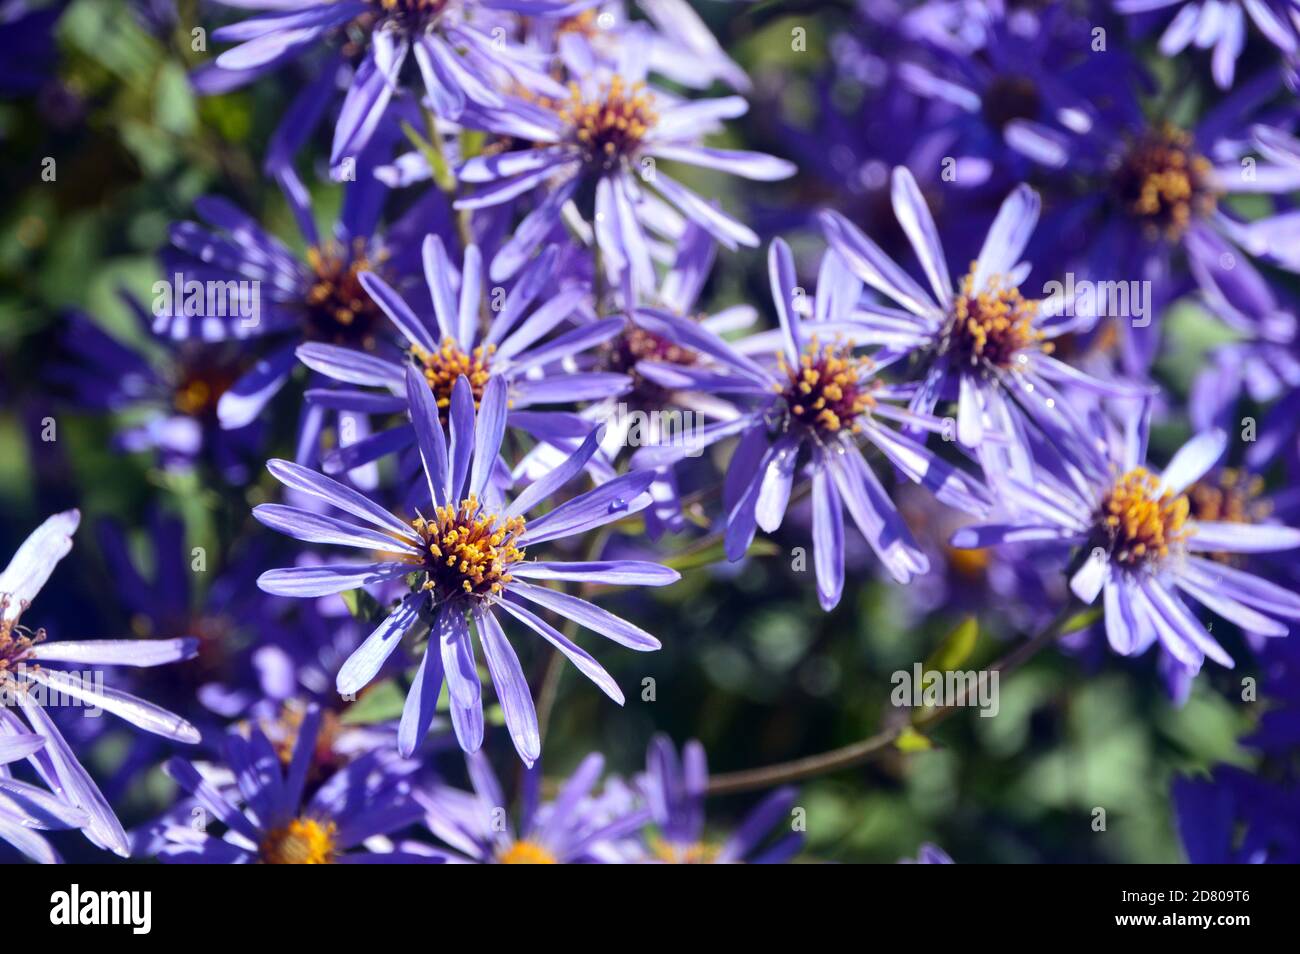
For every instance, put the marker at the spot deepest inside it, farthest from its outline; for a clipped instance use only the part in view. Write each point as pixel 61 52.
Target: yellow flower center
pixel 467 551
pixel 612 125
pixel 441 368
pixel 304 841
pixel 338 309
pixel 16 640
pixel 199 387
pixel 992 325
pixel 526 853
pixel 1141 521
pixel 698 853
pixel 1164 182
pixel 824 391
pixel 1230 496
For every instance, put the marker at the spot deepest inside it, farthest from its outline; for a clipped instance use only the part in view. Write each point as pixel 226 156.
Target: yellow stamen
pixel 824 390
pixel 467 550
pixel 1143 521
pixel 526 853
pixel 304 841
pixel 993 324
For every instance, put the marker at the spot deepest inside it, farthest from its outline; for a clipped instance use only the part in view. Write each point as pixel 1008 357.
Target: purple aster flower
pixel 979 341
pixel 25 809
pixel 806 410
pixel 26 678
pixel 1233 817
pixel 680 46
pixel 929 854
pixel 270 816
pixel 459 47
pixel 457 344
pixel 675 790
pixel 284 300
pixel 171 404
pixel 581 826
pixel 28 54
pixel 1210 24
pixel 1154 206
pixel 465 558
pixel 598 147
pixel 1028 74
pixel 1142 550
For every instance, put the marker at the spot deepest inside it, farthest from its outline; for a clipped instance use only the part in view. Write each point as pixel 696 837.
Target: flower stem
pixel 857 753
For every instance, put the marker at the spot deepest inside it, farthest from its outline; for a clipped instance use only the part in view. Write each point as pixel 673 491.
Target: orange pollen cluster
pixel 1230 496
pixel 585 24
pixel 338 309
pixel 1141 521
pixel 16 641
pixel 526 853
pixel 304 841
pixel 992 326
pixel 200 388
pixel 698 853
pixel 823 391
pixel 611 126
pixel 468 551
pixel 441 368
pixel 411 11
pixel 1164 182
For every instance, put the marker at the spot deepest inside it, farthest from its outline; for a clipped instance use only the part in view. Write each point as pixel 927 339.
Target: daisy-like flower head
pixel 600 144
pixel 174 401
pixel 1163 182
pixel 675 789
pixel 1142 550
pixel 25 809
pixel 1222 27
pixel 980 341
pixel 271 293
pixel 455 45
pixel 26 679
pixel 268 813
pixel 461 346
pixel 809 398
pixel 580 826
pixel 466 557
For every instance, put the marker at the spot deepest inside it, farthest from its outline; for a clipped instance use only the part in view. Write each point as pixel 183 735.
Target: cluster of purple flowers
pixel 488 386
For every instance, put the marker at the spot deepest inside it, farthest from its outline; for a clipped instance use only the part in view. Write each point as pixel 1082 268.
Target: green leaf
pixel 955 648
pixel 909 740
pixel 361 605
pixel 380 703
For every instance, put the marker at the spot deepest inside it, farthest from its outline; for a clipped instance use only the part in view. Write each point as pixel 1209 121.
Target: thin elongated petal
pixel 428 436
pixel 1213 535
pixel 307 481
pixel 610 501
pixel 571 650
pixel 35 560
pixel 119 652
pixel 317 528
pixel 1194 459
pixel 589 615
pixel 610 573
pixel 368 658
pixel 421 702
pixel 489 428
pixel 73 781
pixel 309 581
pixel 511 687
pixel 138 712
